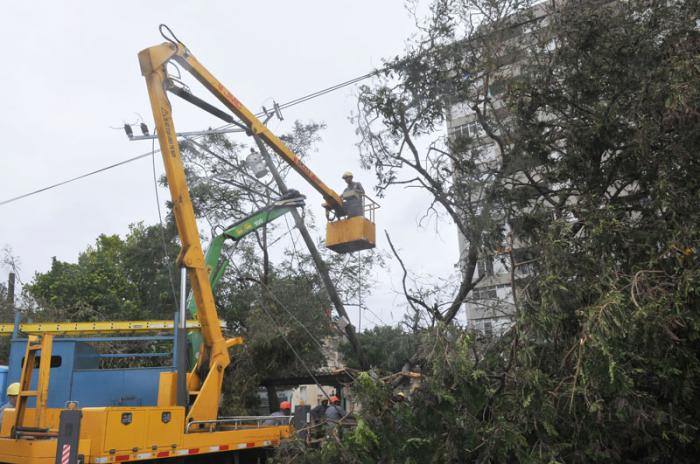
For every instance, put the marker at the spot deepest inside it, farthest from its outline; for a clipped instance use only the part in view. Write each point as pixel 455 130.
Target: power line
pixel 330 89
pixel 73 179
pixel 285 105
pixel 296 354
pixel 281 333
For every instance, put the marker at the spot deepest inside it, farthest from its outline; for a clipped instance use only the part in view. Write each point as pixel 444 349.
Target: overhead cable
pixel 279 302
pixel 296 354
pixel 73 179
pixel 278 328
pixel 288 104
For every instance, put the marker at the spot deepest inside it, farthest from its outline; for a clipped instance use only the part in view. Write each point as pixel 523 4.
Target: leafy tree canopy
pixel 114 279
pixel 280 308
pixel 388 348
pixel 592 108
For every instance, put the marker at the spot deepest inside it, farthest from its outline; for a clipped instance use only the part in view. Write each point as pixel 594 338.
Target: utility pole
pixel 11 302
pixel 316 256
pixel 11 290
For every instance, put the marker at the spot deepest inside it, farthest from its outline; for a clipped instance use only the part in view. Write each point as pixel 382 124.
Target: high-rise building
pixel 489 308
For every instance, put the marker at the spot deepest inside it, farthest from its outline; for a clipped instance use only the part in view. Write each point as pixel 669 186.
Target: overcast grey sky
pixel 70 72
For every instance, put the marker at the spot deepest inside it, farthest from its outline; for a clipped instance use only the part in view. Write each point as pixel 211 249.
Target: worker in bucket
pixel 353 196
pixel 12 392
pixel 283 414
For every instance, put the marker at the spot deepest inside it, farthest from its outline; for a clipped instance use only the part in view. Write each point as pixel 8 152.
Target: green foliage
pixel 126 279
pixel 269 317
pixel 6 309
pixel 271 305
pixel 6 316
pixel 223 188
pixel 387 348
pixel 115 279
pixel 599 177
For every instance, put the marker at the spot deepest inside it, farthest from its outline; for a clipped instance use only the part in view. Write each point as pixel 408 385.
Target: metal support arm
pixel 153 61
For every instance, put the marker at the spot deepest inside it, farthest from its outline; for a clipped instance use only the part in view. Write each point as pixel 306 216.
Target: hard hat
pixel 401 394
pixel 285 405
pixel 13 389
pixel 347 174
pixel 335 399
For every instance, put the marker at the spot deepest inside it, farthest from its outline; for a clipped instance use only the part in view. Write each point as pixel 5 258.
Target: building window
pixel 487 293
pixel 497 87
pixel 526 269
pixel 524 260
pixel 485 266
pixel 488 328
pixel 471 129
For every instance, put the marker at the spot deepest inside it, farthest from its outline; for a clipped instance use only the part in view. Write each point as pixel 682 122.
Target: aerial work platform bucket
pixel 353 233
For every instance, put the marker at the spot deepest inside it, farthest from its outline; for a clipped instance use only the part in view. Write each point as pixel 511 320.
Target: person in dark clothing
pixel 318 413
pixel 283 414
pixel 353 200
pixel 335 412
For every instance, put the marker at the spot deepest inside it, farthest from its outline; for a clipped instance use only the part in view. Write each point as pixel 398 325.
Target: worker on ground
pixel 335 412
pixel 12 392
pixel 283 413
pixel 318 413
pixel 353 200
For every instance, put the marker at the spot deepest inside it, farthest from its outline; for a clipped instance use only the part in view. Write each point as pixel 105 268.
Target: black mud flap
pixel 68 437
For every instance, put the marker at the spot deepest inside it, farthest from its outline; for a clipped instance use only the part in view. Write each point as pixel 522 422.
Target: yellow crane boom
pixel 343 235
pixel 153 63
pixel 180 54
pixel 168 427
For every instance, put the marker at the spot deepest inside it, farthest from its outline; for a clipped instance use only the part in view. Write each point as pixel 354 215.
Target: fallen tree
pixel 598 175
